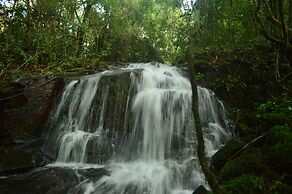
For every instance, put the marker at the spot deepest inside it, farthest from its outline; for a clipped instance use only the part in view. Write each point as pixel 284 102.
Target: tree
pixel 279 33
pixel 210 176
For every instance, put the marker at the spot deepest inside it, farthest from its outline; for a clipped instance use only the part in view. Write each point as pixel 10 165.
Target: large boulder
pixel 201 190
pixel 49 180
pixel 16 161
pixel 219 159
pixel 25 106
pixel 249 162
pixel 278 149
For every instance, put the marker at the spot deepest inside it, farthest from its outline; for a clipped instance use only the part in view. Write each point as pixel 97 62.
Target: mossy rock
pixel 254 185
pixel 249 162
pixel 220 157
pixel 279 159
pixel 279 151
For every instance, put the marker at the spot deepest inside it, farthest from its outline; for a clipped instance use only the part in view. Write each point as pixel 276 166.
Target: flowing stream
pixel 152 149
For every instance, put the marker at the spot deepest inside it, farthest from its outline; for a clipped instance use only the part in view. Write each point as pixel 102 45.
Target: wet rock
pixel 93 174
pixel 24 157
pixel 48 180
pixel 111 101
pixel 201 190
pixel 118 88
pixel 40 181
pixel 25 106
pixel 16 161
pixel 220 157
pixel 22 124
pixel 12 96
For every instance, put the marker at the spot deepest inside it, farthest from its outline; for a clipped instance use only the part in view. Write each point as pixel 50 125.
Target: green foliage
pixel 200 76
pixel 254 185
pixel 246 131
pixel 39 34
pixel 249 162
pixel 229 83
pixel 226 24
pixel 220 158
pixel 281 104
pixel 245 184
pixel 279 134
pixel 277 110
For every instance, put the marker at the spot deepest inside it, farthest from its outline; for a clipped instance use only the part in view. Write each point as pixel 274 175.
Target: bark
pixel 80 30
pixel 290 21
pixel 280 40
pixel 28 17
pixel 210 176
pixel 290 14
pixel 283 25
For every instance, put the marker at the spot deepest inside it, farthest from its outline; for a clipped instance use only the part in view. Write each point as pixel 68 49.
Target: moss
pixel 249 162
pixel 279 134
pixel 220 158
pixel 279 159
pixel 254 185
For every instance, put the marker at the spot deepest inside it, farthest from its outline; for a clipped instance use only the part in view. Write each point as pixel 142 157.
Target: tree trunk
pixel 80 30
pixel 210 176
pixel 28 16
pixel 290 20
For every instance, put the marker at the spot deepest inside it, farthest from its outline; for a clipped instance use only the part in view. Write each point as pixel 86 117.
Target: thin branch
pixel 264 30
pixel 4 69
pixel 285 77
pixel 78 18
pixel 28 90
pixel 283 25
pixel 273 20
pixel 247 145
pixel 266 34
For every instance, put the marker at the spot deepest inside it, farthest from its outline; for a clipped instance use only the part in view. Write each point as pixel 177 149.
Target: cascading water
pixel 153 151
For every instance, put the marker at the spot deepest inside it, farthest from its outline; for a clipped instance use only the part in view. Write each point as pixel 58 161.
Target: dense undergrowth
pixel 258 158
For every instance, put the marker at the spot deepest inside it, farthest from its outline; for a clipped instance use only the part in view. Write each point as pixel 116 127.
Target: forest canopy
pixel 55 35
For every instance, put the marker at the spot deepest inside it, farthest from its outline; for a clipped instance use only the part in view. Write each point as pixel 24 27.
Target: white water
pixel 156 155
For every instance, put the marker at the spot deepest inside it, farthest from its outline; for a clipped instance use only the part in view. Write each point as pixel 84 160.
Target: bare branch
pixel 283 25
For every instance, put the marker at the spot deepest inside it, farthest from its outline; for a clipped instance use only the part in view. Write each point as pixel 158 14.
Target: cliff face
pixel 25 106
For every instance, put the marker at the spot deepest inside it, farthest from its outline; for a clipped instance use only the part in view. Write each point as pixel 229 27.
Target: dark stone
pixel 219 159
pixel 25 107
pixel 40 181
pixel 113 89
pixel 249 162
pixel 201 190
pixel 49 180
pixel 16 161
pixel 94 174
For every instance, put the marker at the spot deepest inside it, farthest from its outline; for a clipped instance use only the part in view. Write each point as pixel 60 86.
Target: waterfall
pixel 151 147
